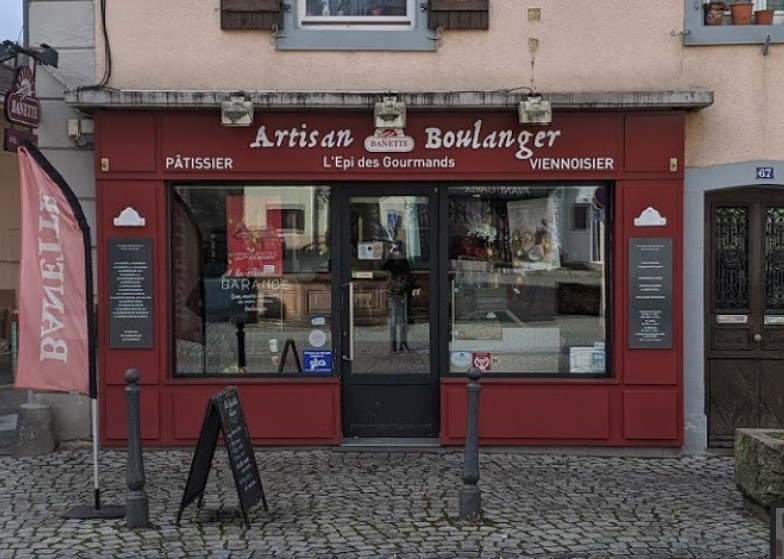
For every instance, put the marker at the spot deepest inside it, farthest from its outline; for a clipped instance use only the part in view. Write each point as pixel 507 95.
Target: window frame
pixel 441 267
pixel 697 33
pixel 610 271
pixel 356 37
pixel 217 376
pixel 379 22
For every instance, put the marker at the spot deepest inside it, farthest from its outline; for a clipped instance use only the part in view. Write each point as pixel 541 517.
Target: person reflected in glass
pixel 400 287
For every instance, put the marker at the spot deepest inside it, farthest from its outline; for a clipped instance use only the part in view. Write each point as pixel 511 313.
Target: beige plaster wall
pixel 602 46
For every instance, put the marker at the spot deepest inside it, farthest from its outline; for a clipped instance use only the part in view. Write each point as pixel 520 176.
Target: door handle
pixel 757 338
pixel 350 356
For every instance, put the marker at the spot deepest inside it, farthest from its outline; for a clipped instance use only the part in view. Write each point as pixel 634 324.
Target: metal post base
pixel 137 510
pixel 89 511
pixel 470 504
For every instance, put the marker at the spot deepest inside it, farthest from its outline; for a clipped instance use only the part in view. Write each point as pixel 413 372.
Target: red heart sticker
pixel 481 361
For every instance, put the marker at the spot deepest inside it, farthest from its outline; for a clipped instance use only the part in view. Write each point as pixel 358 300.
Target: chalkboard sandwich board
pixel 224 414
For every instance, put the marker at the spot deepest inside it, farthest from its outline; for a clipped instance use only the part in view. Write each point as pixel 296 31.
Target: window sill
pixel 533 379
pixel 254 378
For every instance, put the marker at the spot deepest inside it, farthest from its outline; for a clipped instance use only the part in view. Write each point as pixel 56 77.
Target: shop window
pixel 252 277
pixel 529 279
pixel 713 23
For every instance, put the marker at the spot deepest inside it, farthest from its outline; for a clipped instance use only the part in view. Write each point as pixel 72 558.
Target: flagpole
pixel 83 511
pixel 91 335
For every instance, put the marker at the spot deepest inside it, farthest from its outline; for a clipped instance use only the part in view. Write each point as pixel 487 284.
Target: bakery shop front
pixel 346 277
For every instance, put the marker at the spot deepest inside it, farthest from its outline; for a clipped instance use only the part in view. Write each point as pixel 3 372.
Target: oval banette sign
pixel 21 104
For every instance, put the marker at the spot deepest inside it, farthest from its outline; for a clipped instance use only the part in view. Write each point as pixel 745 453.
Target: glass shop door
pixel 390 377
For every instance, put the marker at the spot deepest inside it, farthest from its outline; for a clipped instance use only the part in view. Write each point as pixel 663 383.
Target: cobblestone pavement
pixel 338 504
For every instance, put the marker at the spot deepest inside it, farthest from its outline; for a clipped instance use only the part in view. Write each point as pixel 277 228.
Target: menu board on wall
pixel 130 294
pixel 650 293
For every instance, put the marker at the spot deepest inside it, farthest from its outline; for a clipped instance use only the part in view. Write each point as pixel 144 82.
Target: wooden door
pixel 744 312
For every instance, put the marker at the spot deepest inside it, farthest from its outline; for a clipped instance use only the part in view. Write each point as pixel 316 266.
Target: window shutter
pixel 251 14
pixel 458 14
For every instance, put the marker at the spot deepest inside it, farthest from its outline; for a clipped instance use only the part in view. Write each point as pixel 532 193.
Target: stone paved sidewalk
pixel 336 504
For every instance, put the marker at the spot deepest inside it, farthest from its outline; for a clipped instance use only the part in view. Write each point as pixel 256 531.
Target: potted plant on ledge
pixel 764 17
pixel 740 12
pixel 714 12
pixel 376 8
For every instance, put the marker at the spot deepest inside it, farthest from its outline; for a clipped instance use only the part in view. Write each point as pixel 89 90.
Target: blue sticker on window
pixel 317 362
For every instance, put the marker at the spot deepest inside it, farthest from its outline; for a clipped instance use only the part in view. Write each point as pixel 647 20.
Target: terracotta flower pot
pixel 764 17
pixel 741 12
pixel 714 13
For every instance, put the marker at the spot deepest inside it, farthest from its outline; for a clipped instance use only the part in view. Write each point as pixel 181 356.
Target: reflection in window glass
pixel 528 279
pixel 357 11
pixel 251 271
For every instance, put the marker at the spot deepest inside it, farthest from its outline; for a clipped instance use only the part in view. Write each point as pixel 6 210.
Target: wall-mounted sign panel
pixel 650 293
pixel 21 104
pixel 130 294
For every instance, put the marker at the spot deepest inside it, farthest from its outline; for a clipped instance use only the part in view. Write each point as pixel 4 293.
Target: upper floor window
pixel 372 25
pixel 393 25
pixel 734 22
pixel 355 14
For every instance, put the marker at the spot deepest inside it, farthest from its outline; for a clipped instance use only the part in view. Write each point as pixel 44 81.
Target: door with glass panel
pixel 390 380
pixel 744 312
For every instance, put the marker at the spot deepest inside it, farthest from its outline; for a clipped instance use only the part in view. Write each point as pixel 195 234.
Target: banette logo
pixel 389 141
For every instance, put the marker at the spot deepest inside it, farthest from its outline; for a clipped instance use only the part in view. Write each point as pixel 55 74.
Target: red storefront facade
pixel 442 160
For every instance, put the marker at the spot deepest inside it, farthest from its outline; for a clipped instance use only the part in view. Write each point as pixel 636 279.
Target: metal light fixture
pixel 390 113
pixel 43 54
pixel 535 111
pixel 238 111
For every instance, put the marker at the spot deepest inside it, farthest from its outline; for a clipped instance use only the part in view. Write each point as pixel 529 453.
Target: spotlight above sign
pixel 534 110
pixel 390 113
pixel 237 111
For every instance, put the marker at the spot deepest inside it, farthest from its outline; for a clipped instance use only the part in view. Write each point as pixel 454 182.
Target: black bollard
pixel 137 514
pixel 470 495
pixel 241 346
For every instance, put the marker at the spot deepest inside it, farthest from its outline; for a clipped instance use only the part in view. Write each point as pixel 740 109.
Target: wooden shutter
pixel 458 14
pixel 251 14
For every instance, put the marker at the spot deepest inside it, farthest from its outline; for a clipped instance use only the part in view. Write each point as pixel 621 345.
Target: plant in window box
pixel 382 8
pixel 714 12
pixel 764 17
pixel 740 12
pixel 395 8
pixel 376 7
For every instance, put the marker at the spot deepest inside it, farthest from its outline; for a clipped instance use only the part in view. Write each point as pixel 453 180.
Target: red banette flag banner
pixel 53 327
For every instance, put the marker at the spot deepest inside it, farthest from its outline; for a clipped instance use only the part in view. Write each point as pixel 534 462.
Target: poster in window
pixel 253 237
pixel 534 225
